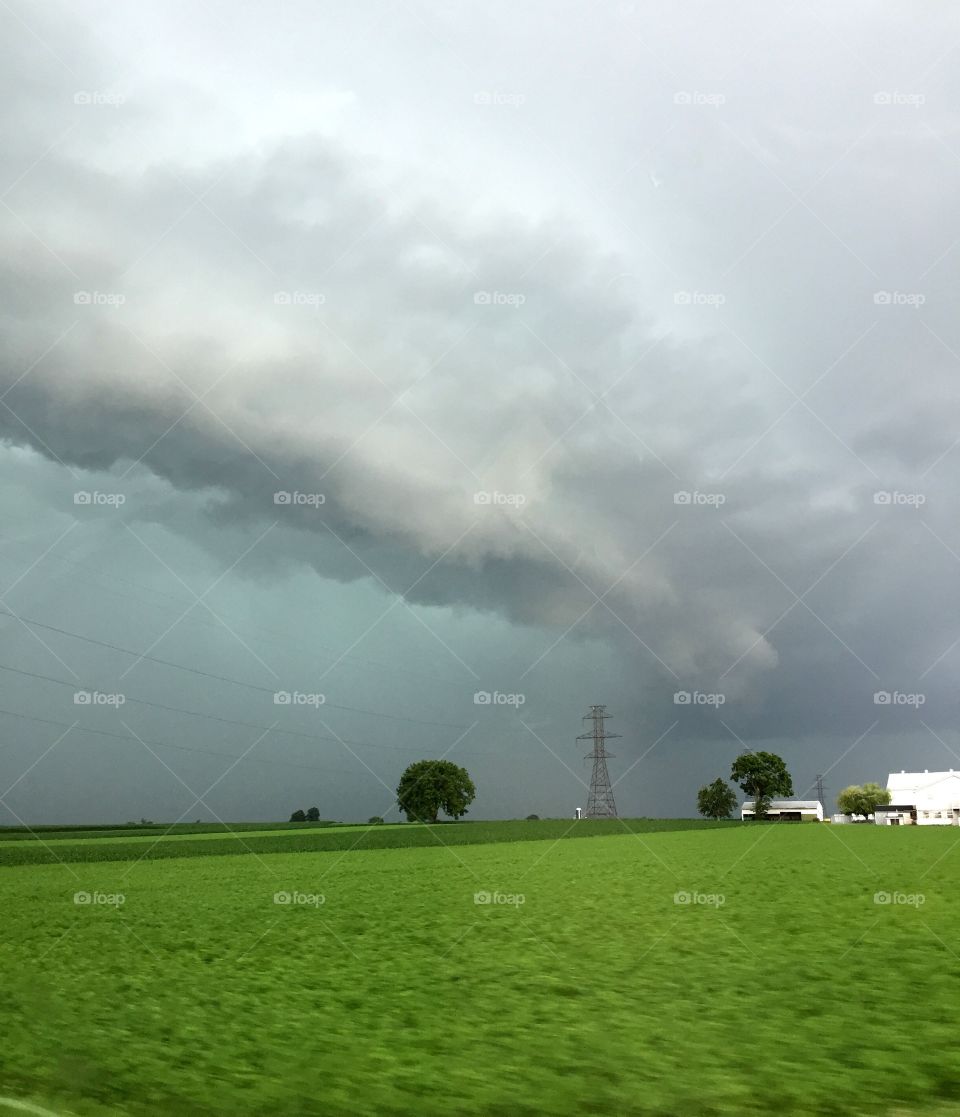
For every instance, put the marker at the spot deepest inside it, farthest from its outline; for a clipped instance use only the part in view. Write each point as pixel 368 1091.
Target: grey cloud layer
pixel 595 379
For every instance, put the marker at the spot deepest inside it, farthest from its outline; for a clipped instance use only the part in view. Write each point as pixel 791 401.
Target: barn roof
pixel 917 781
pixel 788 804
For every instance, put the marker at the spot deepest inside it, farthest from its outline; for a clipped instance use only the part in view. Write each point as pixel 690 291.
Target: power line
pixel 275 633
pixel 167 745
pixel 220 678
pixel 213 717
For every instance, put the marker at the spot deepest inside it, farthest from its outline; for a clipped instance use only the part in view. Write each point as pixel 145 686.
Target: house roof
pixel 899 782
pixel 787 804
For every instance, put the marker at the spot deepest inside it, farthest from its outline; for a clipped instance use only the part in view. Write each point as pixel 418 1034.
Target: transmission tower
pixel 600 804
pixel 820 791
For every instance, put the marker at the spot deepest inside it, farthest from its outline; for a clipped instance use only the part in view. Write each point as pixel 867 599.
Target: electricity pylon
pixel 600 804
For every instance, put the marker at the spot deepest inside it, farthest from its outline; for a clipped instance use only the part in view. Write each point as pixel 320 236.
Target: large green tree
pixel 716 800
pixel 863 800
pixel 761 775
pixel 430 786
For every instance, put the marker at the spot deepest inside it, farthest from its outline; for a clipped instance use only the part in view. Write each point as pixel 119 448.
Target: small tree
pixel 429 786
pixel 298 816
pixel 761 775
pixel 863 800
pixel 533 818
pixel 376 820
pixel 716 800
pixel 313 814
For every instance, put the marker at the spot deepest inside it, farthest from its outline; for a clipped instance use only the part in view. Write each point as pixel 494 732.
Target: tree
pixel 716 800
pixel 533 818
pixel 376 820
pixel 313 815
pixel 863 800
pixel 298 816
pixel 429 786
pixel 761 775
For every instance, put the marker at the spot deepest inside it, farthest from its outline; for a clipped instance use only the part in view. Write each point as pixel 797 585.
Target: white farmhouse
pixel 787 810
pixel 921 799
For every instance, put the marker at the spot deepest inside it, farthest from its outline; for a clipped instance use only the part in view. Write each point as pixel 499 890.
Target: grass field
pixel 56 833
pixel 111 837
pixel 49 849
pixel 705 971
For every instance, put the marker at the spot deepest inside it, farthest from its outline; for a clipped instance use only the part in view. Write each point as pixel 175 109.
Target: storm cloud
pixel 616 344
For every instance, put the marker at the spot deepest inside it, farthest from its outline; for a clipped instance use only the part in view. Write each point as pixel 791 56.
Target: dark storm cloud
pixel 374 334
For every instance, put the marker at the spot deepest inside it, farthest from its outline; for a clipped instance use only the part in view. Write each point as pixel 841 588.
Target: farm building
pixel 921 799
pixel 788 810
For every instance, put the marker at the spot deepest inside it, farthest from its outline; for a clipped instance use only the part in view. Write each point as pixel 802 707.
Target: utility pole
pixel 601 803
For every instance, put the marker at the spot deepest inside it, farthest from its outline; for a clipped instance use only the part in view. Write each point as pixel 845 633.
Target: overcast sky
pixel 608 352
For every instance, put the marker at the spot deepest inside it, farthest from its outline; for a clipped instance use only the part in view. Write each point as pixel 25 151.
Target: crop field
pixel 704 971
pixel 157 829
pixel 138 835
pixel 57 847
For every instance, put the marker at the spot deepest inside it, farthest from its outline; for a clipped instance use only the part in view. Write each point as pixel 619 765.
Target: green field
pixel 221 833
pixel 156 829
pixel 133 845
pixel 776 984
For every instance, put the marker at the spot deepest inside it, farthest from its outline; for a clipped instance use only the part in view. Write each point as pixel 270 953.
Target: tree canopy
pixel 716 800
pixel 863 800
pixel 430 786
pixel 761 775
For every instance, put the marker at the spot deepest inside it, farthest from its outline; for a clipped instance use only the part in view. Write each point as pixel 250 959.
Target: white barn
pixel 787 810
pixel 921 799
